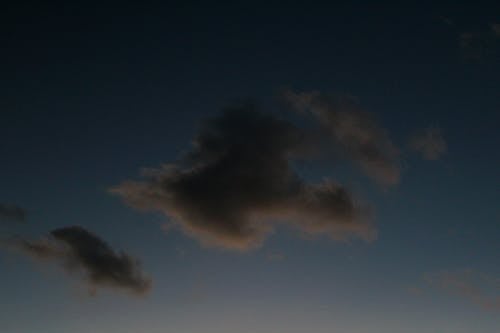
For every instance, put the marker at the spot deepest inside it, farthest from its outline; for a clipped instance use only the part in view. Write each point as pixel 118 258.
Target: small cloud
pixel 477 287
pixel 447 20
pixel 354 131
pixel 12 213
pixel 472 45
pixel 495 27
pixel 480 44
pixel 429 143
pixel 81 251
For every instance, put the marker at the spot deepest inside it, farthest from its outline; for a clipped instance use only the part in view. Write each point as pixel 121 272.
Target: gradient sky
pixel 92 94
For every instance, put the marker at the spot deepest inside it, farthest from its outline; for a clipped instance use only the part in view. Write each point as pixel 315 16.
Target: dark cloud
pixel 237 184
pixel 430 143
pixel 79 250
pixel 477 287
pixel 354 131
pixel 12 213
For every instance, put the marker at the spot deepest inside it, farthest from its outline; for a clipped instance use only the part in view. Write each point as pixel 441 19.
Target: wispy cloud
pixel 476 43
pixel 78 250
pixel 354 131
pixel 429 143
pixel 10 212
pixel 476 287
pixel 495 27
pixel 480 44
pixel 237 183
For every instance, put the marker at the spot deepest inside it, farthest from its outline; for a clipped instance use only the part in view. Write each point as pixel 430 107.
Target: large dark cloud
pixel 12 213
pixel 237 183
pixel 79 250
pixel 353 131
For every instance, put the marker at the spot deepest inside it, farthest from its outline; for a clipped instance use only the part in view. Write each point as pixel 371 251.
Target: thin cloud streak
pixel 476 287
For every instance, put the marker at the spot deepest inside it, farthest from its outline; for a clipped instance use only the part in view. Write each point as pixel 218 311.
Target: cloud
pixel 447 20
pixel 237 183
pixel 429 143
pixel 472 45
pixel 79 250
pixel 481 44
pixel 12 213
pixel 477 287
pixel 354 131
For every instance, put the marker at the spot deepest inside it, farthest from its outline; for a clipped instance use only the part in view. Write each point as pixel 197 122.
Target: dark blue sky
pixel 91 94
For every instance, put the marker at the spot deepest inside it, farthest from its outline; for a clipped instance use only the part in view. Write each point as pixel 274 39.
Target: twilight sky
pixel 249 167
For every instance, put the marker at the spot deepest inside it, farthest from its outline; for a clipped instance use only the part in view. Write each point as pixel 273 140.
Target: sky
pixel 249 167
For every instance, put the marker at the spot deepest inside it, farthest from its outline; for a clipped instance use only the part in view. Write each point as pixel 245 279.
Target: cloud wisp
pixel 476 287
pixel 237 183
pixel 80 251
pixel 495 28
pixel 10 212
pixel 479 45
pixel 353 131
pixel 429 143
